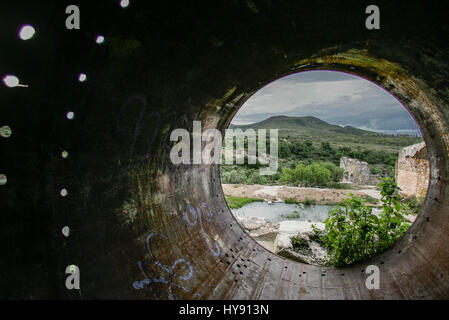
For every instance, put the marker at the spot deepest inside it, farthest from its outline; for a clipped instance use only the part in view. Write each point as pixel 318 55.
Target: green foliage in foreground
pixel 238 202
pixel 353 233
pixel 364 198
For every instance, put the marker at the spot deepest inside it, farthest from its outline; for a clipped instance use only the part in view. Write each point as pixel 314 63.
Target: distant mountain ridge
pixel 303 124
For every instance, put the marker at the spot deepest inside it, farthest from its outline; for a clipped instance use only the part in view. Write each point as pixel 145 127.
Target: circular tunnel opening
pixel 343 141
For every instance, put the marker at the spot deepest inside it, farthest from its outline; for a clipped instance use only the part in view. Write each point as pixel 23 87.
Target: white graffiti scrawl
pixel 182 264
pixel 198 218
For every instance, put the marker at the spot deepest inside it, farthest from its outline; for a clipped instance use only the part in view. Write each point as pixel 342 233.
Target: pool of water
pixel 279 211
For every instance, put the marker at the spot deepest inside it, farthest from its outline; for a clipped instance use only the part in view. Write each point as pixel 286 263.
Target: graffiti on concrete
pixel 198 219
pixel 171 279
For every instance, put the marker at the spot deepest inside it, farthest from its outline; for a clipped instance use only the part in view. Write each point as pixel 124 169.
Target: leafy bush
pixel 312 175
pixel 309 202
pixel 353 233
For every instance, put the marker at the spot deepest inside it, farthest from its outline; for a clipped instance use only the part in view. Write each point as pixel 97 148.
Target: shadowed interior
pixel 144 228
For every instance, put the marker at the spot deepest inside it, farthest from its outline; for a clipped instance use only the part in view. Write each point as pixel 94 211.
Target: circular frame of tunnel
pixel 347 67
pixel 144 228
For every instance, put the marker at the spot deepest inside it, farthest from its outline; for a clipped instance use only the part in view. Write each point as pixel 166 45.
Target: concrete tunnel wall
pixel 143 228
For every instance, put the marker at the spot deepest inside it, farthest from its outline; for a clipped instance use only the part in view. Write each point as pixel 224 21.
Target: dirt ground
pixel 320 195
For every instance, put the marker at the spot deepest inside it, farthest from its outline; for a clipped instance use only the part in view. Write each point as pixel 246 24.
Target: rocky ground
pixel 276 237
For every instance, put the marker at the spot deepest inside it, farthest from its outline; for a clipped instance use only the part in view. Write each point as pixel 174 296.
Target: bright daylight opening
pixel 352 172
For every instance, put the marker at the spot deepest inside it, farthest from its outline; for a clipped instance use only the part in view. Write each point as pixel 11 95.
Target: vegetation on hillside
pixel 330 143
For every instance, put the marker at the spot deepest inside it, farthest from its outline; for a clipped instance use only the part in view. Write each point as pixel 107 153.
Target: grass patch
pixel 300 245
pixel 293 215
pixel 238 202
pixel 309 202
pixel 345 186
pixel 291 201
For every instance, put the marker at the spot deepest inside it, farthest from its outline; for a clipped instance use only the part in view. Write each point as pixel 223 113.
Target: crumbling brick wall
pixel 413 170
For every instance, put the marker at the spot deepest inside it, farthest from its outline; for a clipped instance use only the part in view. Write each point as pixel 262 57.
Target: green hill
pixel 309 141
pixel 316 130
pixel 285 123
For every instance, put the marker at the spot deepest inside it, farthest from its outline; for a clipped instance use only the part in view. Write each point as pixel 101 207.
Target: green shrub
pixel 291 201
pixel 415 204
pixel 353 233
pixel 375 169
pixel 299 244
pixel 309 202
pixel 312 175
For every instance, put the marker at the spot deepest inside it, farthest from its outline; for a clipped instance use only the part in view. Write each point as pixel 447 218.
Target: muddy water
pixel 279 211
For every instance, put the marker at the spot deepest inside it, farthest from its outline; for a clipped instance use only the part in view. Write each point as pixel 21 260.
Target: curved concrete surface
pixel 146 229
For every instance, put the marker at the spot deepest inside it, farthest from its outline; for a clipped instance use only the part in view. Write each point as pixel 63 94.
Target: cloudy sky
pixel 334 97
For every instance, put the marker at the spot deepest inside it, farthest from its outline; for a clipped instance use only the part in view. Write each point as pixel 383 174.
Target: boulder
pixel 258 227
pixel 319 253
pixel 296 256
pixel 289 229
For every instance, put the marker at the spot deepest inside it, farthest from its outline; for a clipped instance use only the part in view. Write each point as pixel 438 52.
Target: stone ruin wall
pixel 358 172
pixel 413 170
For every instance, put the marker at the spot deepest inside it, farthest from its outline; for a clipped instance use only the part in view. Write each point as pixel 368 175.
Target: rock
pixel 277 237
pixel 258 227
pixel 308 258
pixel 320 253
pixel 410 217
pixel 289 229
pixel 296 256
pixel 250 224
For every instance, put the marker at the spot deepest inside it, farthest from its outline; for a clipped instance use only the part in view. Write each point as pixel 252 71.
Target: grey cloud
pixel 334 97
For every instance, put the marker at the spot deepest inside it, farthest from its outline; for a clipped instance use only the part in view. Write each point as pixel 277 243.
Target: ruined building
pixel 412 170
pixel 358 172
